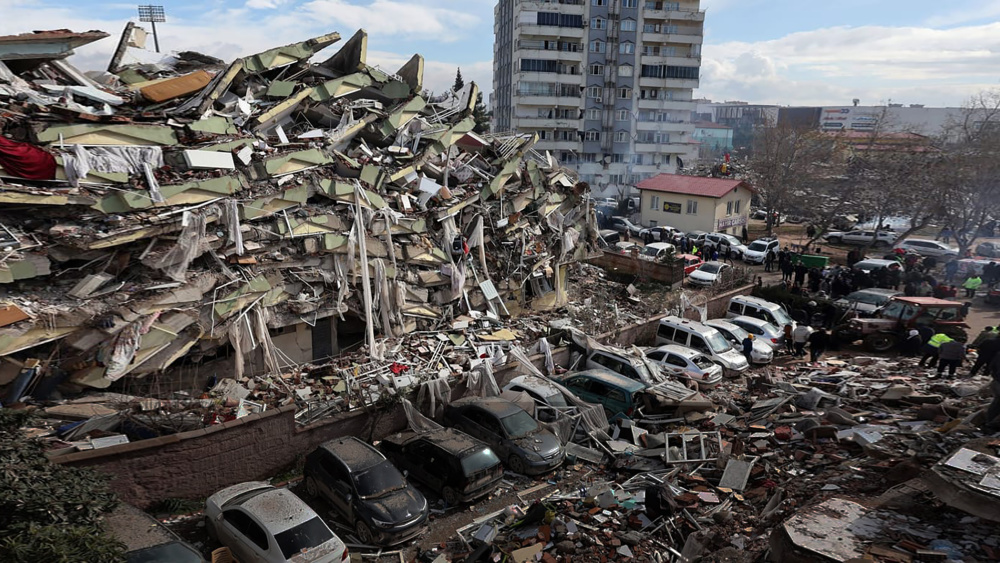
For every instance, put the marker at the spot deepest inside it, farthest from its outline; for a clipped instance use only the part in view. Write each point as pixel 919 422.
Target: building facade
pixel 713 140
pixel 606 84
pixel 692 203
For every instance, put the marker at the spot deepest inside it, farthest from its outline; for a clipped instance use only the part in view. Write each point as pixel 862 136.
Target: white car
pixel 656 251
pixel 928 248
pixel 258 522
pixel 661 233
pixel 721 240
pixel 762 330
pixel 870 264
pixel 761 353
pixel 756 253
pixel 881 238
pixel 707 274
pixel 686 363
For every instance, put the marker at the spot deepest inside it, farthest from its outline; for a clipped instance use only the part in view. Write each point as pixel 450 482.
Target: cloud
pixel 984 10
pixel 875 63
pixel 389 17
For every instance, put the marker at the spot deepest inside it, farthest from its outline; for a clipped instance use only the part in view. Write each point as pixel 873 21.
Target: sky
pixel 787 52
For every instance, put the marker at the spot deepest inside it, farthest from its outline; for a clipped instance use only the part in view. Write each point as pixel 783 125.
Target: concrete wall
pixel 195 464
pixel 664 272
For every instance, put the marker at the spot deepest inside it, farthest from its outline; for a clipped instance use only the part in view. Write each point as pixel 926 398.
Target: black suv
pixel 367 490
pixel 452 463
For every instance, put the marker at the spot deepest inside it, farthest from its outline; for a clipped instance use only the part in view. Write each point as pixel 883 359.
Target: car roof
pixel 927 301
pixel 755 301
pixel 538 384
pixel 278 509
pixel 716 262
pixel 876 261
pixel 663 245
pixel 608 377
pixel 878 291
pixel 356 454
pixel 679 350
pixel 450 440
pixel 751 320
pixel 688 323
pixel 937 242
pixel 497 406
pixel 716 323
pixel 686 256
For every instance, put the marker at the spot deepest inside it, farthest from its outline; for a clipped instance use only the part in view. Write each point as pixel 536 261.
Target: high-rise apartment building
pixel 606 84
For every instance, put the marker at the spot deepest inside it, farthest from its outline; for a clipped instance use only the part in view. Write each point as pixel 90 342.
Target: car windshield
pixel 718 343
pixel 781 316
pixel 865 297
pixel 709 268
pixel 378 480
pixel 757 246
pixel 650 251
pixel 306 535
pixel 556 400
pixel 479 461
pixel 519 424
pixel 738 333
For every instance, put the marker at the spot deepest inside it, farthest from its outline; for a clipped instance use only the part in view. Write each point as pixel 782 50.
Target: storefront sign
pixel 736 221
pixel 671 207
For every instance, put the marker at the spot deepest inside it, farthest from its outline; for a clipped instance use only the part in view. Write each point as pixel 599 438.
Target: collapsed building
pixel 213 221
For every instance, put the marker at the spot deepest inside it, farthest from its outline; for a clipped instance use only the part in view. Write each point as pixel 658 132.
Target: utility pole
pixel 152 15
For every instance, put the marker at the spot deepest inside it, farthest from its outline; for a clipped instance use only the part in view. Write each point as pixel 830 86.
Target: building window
pixel 621 136
pixel 598 2
pixel 692 207
pixel 597 46
pixel 542 134
pixel 635 159
pixel 729 208
pixel 597 70
pixel 625 70
pixel 616 158
pixel 592 136
pixel 628 25
pixel 630 3
pixel 624 93
pixel 594 92
pixel 623 115
pixel 626 48
pixel 588 157
pixel 655 203
pixel 616 178
pixel 598 23
pixel 672 6
pixel 736 206
pixel 594 113
pixel 651 50
pixel 651 28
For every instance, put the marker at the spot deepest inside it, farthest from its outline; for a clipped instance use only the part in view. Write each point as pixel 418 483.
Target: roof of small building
pixel 692 185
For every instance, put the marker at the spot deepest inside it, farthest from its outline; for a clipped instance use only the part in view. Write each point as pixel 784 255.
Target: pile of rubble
pixel 227 224
pixel 846 459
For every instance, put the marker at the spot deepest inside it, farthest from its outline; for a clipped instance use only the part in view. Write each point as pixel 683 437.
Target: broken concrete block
pixel 88 285
pixel 209 160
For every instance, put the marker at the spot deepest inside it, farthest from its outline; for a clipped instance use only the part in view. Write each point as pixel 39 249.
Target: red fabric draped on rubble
pixel 26 161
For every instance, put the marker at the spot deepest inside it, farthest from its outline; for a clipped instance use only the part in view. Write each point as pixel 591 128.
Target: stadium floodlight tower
pixel 153 15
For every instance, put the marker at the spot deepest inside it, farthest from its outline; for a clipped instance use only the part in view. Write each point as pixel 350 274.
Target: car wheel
pixel 364 533
pixel 879 342
pixel 451 496
pixel 516 464
pixel 312 489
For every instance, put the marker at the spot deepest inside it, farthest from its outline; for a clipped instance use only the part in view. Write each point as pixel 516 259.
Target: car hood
pixel 733 360
pixel 398 506
pixel 703 276
pixel 864 307
pixel 543 443
pixel 762 348
pixel 329 552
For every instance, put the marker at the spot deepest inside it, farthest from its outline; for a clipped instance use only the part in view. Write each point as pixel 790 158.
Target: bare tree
pixel 783 161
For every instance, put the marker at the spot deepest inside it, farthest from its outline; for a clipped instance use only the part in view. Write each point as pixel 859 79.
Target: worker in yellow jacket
pixel 932 348
pixel 971 284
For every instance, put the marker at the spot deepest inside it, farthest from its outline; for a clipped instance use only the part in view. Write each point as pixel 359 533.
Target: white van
pixel 704 339
pixel 747 306
pixel 656 251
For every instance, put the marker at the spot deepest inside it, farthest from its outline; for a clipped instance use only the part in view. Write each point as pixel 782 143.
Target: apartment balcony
pixel 548 31
pixel 685 37
pixel 545 101
pixel 564 6
pixel 675 15
pixel 649 82
pixel 683 60
pixel 662 148
pixel 550 77
pixel 665 126
pixel 550 55
pixel 534 123
pixel 667 105
pixel 550 145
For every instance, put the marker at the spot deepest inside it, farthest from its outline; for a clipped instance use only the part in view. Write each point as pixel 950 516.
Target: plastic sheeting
pixel 481 382
pixel 176 260
pixel 417 421
pixel 435 393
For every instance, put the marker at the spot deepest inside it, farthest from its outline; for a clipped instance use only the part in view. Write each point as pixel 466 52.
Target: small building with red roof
pixel 694 203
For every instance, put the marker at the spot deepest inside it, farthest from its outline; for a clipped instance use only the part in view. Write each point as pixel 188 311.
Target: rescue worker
pixel 987 351
pixel 800 336
pixel 748 348
pixel 932 349
pixel 950 356
pixel 971 284
pixel 988 333
pixel 911 346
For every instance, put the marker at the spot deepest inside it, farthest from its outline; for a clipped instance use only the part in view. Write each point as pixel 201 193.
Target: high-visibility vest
pixel 973 283
pixel 938 339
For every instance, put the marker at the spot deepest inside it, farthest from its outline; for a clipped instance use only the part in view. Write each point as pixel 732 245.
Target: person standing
pixel 986 352
pixel 911 346
pixel 950 270
pixel 769 261
pixel 933 349
pixel 819 340
pixel 729 254
pixel 800 336
pixel 971 284
pixel 800 274
pixel 950 355
pixel 748 348
pixel 786 270
pixel 746 235
pixel 988 333
pixel 789 343
pixel 991 424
